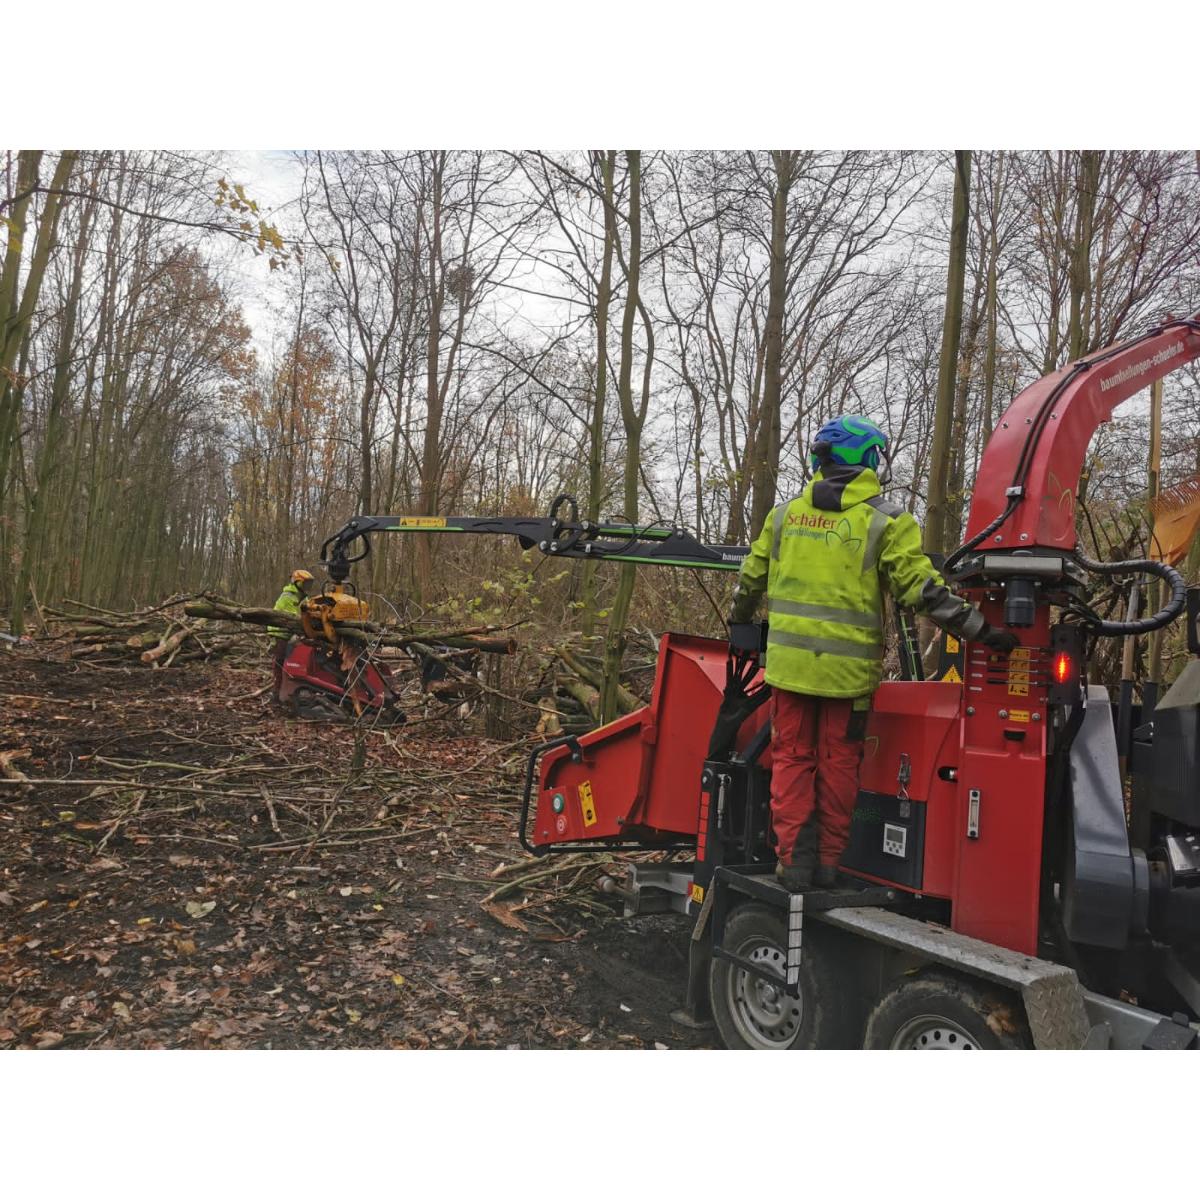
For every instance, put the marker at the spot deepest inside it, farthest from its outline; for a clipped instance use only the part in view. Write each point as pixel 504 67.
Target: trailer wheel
pixel 752 1014
pixel 939 1011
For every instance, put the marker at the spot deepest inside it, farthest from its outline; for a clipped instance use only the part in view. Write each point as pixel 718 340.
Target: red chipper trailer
pixel 1008 893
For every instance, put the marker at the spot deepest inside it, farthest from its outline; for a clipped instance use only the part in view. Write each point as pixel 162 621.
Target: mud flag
pixel 1176 513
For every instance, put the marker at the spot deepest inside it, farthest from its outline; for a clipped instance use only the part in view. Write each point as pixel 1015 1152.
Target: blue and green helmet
pixel 854 441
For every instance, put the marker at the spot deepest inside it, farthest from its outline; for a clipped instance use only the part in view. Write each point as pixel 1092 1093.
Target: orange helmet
pixel 302 576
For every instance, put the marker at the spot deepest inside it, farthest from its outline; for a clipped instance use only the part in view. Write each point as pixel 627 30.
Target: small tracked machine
pixel 327 677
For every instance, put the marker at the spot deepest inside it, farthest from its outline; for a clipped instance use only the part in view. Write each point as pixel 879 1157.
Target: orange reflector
pixel 1062 667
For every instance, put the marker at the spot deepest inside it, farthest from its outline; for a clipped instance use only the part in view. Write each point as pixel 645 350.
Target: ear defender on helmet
pixel 851 441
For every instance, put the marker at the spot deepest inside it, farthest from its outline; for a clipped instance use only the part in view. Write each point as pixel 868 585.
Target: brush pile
pixel 200 628
pixel 156 637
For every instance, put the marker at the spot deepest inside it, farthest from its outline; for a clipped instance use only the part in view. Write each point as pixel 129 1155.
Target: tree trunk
pixel 1086 186
pixel 765 465
pixel 956 483
pixel 596 440
pixel 17 319
pixel 989 357
pixel 431 449
pixel 614 647
pixel 47 458
pixel 935 521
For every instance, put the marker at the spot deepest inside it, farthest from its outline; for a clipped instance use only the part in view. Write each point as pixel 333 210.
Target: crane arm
pixel 560 534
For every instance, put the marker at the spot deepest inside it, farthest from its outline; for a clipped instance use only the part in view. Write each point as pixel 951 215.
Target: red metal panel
pixel 643 770
pixel 920 720
pixel 305 666
pixel 998 872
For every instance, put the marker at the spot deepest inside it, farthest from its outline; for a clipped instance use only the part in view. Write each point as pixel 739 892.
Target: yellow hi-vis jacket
pixel 288 602
pixel 823 560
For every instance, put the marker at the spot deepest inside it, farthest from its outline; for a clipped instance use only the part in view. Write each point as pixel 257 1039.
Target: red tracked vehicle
pixel 328 678
pixel 1005 897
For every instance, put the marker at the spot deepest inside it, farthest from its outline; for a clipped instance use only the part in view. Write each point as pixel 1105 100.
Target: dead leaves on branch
pixel 253 228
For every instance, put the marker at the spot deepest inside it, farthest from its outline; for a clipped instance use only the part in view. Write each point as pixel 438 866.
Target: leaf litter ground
pixel 203 872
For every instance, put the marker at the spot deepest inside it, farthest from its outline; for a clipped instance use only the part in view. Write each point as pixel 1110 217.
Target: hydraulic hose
pixel 1165 615
pixel 967 547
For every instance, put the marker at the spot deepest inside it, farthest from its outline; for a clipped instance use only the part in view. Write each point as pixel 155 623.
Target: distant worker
pixel 294 591
pixel 823 560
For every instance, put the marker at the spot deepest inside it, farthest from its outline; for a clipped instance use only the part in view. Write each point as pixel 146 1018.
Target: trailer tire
pixel 753 1015
pixel 941 1011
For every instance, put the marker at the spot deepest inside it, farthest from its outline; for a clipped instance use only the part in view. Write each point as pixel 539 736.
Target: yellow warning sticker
pixel 951 645
pixel 1019 714
pixel 421 523
pixel 587 803
pixel 697 893
pixel 952 675
pixel 1018 671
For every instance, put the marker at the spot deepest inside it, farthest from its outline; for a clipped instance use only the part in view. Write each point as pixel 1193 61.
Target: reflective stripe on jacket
pixel 288 602
pixel 823 560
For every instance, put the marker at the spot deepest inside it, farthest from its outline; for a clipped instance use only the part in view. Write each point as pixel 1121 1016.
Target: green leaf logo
pixel 842 534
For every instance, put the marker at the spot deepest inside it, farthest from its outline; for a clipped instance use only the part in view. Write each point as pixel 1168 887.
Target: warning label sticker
pixel 1018 671
pixel 1019 714
pixel 421 523
pixel 952 675
pixel 587 803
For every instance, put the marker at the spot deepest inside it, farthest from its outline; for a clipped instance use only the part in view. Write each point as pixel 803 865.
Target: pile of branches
pixel 569 695
pixel 537 887
pixel 156 637
pixel 192 628
pixel 486 639
pixel 561 890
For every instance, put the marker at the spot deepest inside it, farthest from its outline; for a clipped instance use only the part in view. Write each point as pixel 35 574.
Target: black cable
pixel 1165 615
pixel 970 545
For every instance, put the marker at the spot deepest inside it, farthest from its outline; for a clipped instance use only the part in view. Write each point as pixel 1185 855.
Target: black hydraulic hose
pixel 1165 615
pixel 967 547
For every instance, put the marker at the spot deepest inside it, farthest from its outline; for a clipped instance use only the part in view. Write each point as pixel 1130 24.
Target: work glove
pixel 745 636
pixel 999 640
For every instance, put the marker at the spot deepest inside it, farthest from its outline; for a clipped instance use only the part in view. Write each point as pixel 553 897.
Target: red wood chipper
pixel 1013 889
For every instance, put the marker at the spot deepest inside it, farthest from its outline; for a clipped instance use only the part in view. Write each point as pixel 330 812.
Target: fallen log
pixel 627 702
pixel 585 696
pixel 169 644
pixel 84 651
pixel 14 774
pixel 482 639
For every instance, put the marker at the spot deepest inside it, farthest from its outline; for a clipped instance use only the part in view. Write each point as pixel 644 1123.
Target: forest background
pixel 209 361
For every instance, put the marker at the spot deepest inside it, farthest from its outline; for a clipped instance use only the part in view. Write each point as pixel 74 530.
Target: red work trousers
pixel 279 653
pixel 816 748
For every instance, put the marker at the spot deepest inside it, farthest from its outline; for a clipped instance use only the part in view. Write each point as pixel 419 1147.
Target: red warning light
pixel 1062 667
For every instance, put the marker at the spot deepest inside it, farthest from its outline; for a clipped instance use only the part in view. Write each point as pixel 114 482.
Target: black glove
pixel 745 636
pixel 999 640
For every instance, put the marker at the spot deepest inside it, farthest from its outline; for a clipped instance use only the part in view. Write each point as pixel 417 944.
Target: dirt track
pixel 206 873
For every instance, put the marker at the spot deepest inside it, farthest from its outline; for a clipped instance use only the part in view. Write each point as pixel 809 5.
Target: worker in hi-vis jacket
pixel 293 592
pixel 824 560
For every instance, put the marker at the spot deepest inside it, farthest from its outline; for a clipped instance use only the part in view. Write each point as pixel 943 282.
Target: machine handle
pixel 576 756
